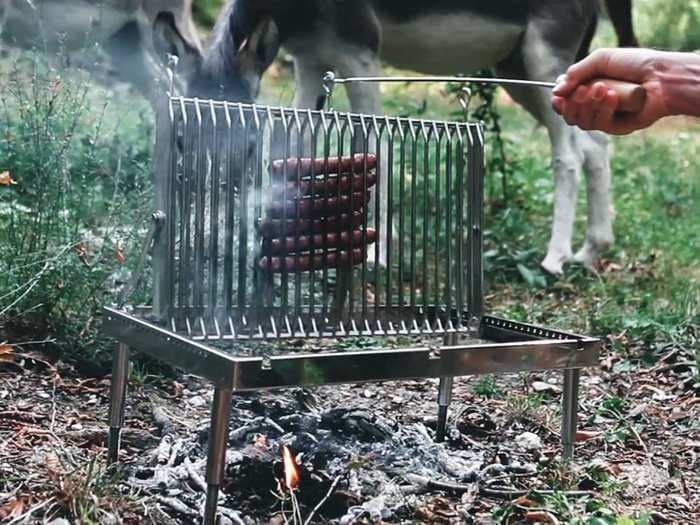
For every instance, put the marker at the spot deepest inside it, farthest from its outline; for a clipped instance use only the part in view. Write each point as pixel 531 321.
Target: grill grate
pixel 279 215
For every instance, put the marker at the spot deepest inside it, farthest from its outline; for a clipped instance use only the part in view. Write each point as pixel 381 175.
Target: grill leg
pixel 444 400
pixel 218 438
pixel 120 375
pixel 569 412
pixel 444 396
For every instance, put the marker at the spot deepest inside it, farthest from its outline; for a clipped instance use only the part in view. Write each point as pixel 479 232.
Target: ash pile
pixel 291 459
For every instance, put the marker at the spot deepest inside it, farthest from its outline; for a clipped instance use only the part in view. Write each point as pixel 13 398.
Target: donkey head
pixel 233 65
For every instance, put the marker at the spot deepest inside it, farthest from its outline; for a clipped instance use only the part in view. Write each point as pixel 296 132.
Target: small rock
pixel 541 386
pixel 368 393
pixel 197 401
pixel 528 441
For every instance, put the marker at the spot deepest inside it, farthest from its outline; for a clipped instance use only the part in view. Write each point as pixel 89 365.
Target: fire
pixel 291 470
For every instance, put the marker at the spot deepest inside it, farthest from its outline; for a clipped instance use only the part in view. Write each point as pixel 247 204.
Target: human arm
pixel 671 81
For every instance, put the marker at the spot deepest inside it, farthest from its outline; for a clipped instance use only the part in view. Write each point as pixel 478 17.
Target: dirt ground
pixel 637 452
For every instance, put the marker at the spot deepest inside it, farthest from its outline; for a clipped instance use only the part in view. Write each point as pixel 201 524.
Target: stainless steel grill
pixel 276 224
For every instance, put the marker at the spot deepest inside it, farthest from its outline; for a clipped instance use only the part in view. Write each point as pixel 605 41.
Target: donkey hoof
pixel 554 263
pixel 589 257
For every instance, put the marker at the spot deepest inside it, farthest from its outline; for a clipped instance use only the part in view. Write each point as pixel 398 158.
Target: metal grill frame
pixel 492 345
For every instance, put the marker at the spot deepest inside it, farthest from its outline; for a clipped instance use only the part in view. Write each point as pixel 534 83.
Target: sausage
pixel 328 185
pixel 320 241
pixel 303 263
pixel 305 166
pixel 314 206
pixel 335 222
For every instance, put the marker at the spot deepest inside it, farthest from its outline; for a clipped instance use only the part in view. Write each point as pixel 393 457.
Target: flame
pixel 260 441
pixel 291 470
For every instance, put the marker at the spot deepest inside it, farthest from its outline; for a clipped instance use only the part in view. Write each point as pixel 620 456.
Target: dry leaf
pixel 119 253
pixel 81 250
pixel 6 179
pixel 6 353
pixel 584 435
pixel 53 465
pixel 524 501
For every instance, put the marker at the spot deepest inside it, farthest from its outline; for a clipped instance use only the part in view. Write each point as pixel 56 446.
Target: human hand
pixel 594 106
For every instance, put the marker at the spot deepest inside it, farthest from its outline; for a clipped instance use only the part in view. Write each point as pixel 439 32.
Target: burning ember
pixel 291 469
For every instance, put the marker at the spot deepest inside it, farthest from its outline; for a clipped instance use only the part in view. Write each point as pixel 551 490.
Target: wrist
pixel 679 79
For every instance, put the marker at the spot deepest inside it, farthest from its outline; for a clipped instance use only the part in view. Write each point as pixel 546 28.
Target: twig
pixel 320 504
pixel 177 506
pixel 504 492
pixel 194 475
pixel 679 364
pixel 25 516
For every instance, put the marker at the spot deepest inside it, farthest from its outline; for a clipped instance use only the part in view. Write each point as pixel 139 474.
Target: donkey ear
pixel 260 47
pixel 167 40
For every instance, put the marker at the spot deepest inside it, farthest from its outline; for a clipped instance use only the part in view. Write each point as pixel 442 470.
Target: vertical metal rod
pixel 389 214
pixel 163 161
pixel 449 236
pixel 284 291
pixel 215 189
pixel 378 189
pixel 120 375
pixel 438 218
pixel 365 212
pixel 414 215
pixel 218 439
pixel 244 210
pixel 343 274
pixel 402 216
pixel 426 218
pixel 461 263
pixel 444 396
pixel 229 211
pixel 199 206
pixel 476 214
pixel 569 412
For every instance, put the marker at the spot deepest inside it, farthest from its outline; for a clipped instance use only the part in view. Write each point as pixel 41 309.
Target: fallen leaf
pixel 524 501
pixel 6 179
pixel 6 353
pixel 119 254
pixel 53 465
pixel 585 435
pixel 80 249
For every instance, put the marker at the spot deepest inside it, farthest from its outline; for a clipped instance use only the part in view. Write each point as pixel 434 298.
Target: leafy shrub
pixel 77 184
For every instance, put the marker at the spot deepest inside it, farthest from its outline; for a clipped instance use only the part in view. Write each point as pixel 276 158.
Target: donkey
pixel 126 30
pixel 529 40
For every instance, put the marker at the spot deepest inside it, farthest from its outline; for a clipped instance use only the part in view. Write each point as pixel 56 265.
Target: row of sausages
pixel 315 215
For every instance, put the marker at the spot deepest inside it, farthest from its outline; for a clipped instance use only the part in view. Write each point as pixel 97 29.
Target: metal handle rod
pixel 330 78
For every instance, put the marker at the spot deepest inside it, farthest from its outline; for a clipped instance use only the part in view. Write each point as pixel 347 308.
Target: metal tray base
pixel 496 346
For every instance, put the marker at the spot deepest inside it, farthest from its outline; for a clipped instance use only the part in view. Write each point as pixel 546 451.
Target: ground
pixel 637 449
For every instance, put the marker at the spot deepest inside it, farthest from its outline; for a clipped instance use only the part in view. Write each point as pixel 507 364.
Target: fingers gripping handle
pixel 631 96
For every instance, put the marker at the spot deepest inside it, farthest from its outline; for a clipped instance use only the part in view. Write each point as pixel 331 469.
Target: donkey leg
pixel 546 52
pixel 566 164
pixel 599 231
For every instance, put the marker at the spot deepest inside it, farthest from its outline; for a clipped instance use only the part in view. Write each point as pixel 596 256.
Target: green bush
pixel 71 214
